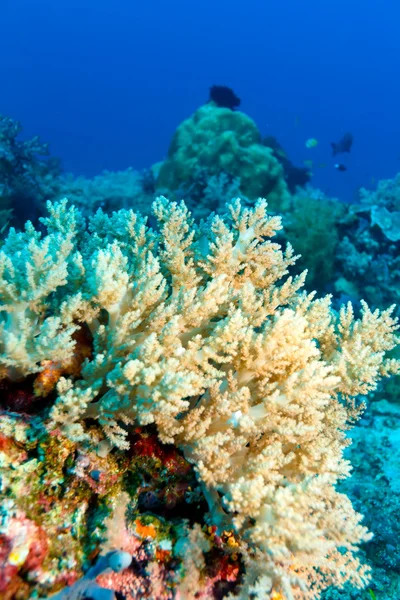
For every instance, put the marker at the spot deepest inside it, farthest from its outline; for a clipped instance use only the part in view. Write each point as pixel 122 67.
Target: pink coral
pixel 23 548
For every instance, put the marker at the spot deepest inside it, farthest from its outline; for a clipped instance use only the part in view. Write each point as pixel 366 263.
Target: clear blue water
pixel 107 83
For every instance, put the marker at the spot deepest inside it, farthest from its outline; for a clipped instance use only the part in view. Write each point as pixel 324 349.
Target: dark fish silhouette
pixel 343 145
pixel 224 96
pixel 340 167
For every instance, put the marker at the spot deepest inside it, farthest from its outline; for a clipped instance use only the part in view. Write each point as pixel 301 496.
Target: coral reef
pixel 374 489
pixel 93 504
pixel 87 587
pixel 218 140
pixel 109 191
pixel 29 177
pixel 26 177
pixel 368 258
pixel 208 194
pixel 195 336
pixel 315 239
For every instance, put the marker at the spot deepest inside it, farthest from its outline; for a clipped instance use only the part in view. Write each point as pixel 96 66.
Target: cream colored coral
pixel 197 329
pixel 31 270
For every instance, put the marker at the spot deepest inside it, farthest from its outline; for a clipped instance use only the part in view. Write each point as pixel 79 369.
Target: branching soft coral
pixel 32 269
pixel 196 329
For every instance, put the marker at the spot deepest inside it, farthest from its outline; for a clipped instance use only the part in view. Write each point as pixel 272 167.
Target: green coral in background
pixel 219 140
pixel 311 225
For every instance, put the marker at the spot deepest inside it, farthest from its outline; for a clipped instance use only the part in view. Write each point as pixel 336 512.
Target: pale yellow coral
pixel 196 330
pixel 31 270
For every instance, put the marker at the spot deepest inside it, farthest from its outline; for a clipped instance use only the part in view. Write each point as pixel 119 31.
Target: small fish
pixel 340 167
pixel 372 594
pixel 343 145
pixel 308 163
pixel 311 143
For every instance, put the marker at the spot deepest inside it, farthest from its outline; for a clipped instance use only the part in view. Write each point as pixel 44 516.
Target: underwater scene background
pixel 199 289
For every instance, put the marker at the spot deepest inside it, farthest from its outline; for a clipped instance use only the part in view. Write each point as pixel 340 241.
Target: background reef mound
pixel 218 140
pixel 188 347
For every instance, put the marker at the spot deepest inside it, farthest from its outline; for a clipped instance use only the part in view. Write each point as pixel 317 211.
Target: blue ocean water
pixel 106 83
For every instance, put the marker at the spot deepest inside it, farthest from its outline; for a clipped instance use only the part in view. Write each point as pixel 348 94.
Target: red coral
pixel 37 551
pixel 5 443
pixel 148 445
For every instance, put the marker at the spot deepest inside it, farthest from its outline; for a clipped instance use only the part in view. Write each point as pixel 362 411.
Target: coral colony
pixel 175 401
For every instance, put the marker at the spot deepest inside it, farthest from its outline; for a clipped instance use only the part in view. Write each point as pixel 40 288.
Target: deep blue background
pixel 107 82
